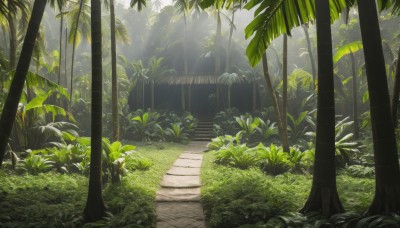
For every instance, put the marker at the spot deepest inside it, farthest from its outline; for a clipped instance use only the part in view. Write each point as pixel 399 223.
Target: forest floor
pixel 178 198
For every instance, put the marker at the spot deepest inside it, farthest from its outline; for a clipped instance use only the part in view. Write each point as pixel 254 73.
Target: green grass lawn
pixel 234 197
pixel 57 200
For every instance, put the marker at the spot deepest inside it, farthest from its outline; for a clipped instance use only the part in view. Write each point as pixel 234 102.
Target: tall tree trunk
pixel 387 184
pixel 95 209
pixel 283 136
pixel 323 197
pixel 254 96
pixel 396 92
pixel 65 55
pixel 310 53
pixel 73 52
pixel 228 50
pixel 114 76
pixel 185 60
pixel 152 95
pixel 229 96
pixel 61 38
pixel 285 84
pixel 355 98
pixel 17 84
pixel 13 37
pixel 217 44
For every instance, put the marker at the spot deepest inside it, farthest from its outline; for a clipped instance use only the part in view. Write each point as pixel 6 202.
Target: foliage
pixel 273 160
pixel 238 156
pixel 145 126
pixel 360 171
pixel 57 200
pixel 35 164
pixel 225 123
pixel 176 133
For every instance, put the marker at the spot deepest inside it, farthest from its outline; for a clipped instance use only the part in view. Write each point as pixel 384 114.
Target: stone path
pixel 178 199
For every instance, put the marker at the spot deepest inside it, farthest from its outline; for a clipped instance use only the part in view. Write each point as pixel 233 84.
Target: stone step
pixel 170 181
pixel 178 194
pixel 187 163
pixel 181 171
pixel 180 214
pixel 191 156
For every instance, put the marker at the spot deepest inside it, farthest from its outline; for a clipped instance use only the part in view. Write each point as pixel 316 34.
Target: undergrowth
pixel 233 197
pixel 57 200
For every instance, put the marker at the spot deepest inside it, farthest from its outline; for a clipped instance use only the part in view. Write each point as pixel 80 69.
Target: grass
pixel 57 200
pixel 234 197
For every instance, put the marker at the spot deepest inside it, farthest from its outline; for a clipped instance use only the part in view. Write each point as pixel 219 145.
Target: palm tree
pixel 13 97
pixel 387 186
pixel 76 14
pixel 323 196
pixel 310 53
pixel 275 105
pixel 139 78
pixel 351 49
pixel 114 83
pixel 95 209
pixel 285 85
pixel 155 71
pixel 229 79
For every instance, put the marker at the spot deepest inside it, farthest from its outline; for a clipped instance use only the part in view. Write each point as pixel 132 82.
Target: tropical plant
pixel 145 126
pixel 35 164
pixel 238 156
pixel 299 126
pixel 273 159
pixel 267 130
pixel 176 133
pixel 114 159
pixel 11 104
pixel 140 163
pixel 248 126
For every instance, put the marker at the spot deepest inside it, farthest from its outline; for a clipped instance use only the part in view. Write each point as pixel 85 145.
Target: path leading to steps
pixel 178 199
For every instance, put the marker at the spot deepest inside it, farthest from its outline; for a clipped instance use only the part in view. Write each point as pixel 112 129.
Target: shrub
pixel 239 156
pixel 273 160
pixel 242 197
pixel 360 171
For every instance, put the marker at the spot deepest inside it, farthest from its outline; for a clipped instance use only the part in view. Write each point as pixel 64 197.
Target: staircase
pixel 203 131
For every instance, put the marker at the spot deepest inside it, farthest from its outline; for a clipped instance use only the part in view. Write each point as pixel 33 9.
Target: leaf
pixel 347 49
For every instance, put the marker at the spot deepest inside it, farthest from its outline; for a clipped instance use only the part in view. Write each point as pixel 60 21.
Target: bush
pixel 242 197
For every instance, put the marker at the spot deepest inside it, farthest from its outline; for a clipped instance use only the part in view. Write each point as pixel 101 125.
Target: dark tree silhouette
pixel 387 186
pixel 323 196
pixel 95 209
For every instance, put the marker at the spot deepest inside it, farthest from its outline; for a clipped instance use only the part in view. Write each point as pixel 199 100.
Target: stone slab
pixel 170 181
pixel 178 195
pixel 182 171
pixel 187 163
pixel 180 214
pixel 191 156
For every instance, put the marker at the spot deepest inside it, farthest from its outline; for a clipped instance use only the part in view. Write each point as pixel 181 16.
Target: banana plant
pixel 146 127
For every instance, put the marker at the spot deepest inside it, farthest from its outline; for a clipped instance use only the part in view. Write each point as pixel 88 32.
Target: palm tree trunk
pixel 323 196
pixel 355 98
pixel 95 209
pixel 73 53
pixel 152 95
pixel 228 50
pixel 387 185
pixel 229 96
pixel 13 38
pixel 185 60
pixel 396 92
pixel 17 84
pixel 217 44
pixel 285 84
pixel 114 83
pixel 310 53
pixel 283 136
pixel 254 96
pixel 60 54
pixel 65 55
